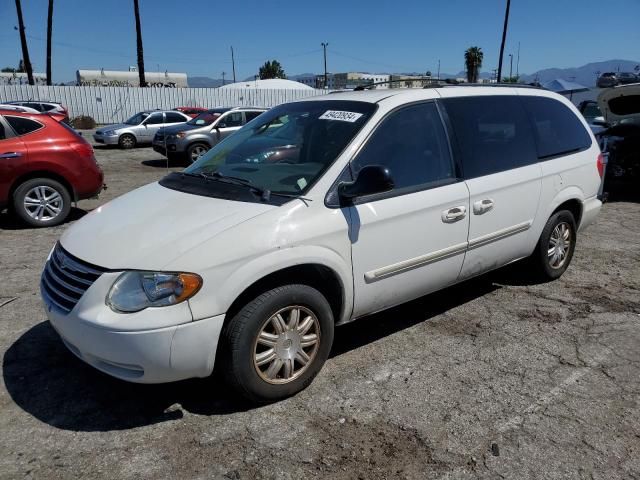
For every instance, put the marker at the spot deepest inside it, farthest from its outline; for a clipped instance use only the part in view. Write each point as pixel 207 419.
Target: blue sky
pixel 194 36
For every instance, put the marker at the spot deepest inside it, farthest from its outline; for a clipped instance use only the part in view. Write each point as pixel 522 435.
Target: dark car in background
pixel 194 138
pixel 607 80
pixel 625 78
pixel 44 166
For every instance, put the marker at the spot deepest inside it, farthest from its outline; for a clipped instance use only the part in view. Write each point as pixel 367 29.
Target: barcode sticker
pixel 340 115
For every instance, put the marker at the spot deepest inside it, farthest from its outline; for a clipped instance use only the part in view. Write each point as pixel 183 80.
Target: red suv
pixel 44 166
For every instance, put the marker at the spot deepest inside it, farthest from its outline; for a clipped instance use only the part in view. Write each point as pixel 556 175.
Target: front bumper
pixel 106 139
pixel 590 209
pixel 95 334
pixel 168 147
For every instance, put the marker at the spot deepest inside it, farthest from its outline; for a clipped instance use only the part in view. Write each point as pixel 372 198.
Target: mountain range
pixel 585 75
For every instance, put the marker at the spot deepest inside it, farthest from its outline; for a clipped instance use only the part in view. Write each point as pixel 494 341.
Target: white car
pixel 18 108
pixel 315 214
pixel 139 129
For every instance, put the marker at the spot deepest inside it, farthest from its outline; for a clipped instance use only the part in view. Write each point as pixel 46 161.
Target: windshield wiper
pixel 264 193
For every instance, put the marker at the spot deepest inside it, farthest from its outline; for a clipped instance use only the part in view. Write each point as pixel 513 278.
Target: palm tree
pixel 473 61
pixel 504 39
pixel 271 69
pixel 23 42
pixel 136 9
pixel 49 28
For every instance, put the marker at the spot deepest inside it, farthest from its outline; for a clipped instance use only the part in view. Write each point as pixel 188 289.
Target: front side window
pixel 412 144
pixel 137 119
pixel 288 148
pixel 557 129
pixel 493 133
pixel 23 126
pixel 155 119
pixel 233 119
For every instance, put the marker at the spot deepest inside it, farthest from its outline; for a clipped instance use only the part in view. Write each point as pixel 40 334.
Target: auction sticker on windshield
pixel 340 115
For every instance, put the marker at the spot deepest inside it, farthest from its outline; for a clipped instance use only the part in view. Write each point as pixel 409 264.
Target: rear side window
pixel 174 118
pixel 412 144
pixel 46 107
pixel 493 133
pixel 558 130
pixel 23 126
pixel 2 134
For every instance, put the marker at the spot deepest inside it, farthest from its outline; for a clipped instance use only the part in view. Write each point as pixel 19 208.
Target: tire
pixel 561 227
pixel 243 352
pixel 127 141
pixel 42 202
pixel 196 150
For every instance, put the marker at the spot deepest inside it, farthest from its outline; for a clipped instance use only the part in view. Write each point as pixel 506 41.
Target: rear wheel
pixel 195 151
pixel 127 141
pixel 42 202
pixel 277 343
pixel 555 248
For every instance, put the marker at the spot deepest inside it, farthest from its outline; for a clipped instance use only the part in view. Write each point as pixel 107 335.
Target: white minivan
pixel 314 214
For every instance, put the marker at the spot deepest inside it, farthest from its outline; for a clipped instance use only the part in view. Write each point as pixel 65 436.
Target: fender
pixel 231 286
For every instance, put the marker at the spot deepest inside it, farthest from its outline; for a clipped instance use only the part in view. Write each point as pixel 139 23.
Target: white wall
pixel 115 104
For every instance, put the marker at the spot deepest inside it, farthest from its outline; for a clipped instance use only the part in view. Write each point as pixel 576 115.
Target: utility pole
pixel 518 62
pixel 324 47
pixel 504 39
pixel 223 74
pixel 438 69
pixel 510 67
pixel 233 65
pixel 23 43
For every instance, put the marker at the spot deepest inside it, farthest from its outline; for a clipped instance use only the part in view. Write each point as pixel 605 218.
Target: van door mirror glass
pixel 371 179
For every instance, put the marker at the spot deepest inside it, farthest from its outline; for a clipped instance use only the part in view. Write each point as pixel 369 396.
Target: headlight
pixel 108 132
pixel 135 291
pixel 181 134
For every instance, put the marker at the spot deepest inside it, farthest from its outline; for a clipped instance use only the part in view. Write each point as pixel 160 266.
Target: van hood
pixel 620 103
pixel 149 227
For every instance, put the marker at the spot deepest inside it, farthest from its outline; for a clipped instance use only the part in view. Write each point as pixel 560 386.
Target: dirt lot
pixel 494 378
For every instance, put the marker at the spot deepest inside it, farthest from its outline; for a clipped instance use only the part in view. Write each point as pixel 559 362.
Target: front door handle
pixel 454 214
pixel 10 155
pixel 482 206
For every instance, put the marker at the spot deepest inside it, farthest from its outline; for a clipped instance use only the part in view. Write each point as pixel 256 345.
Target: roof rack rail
pixel 448 82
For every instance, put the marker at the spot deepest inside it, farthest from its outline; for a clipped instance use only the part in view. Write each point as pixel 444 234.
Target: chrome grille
pixel 65 279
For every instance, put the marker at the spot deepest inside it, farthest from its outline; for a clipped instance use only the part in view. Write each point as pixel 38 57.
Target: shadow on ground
pixel 51 384
pixel 10 221
pixel 163 163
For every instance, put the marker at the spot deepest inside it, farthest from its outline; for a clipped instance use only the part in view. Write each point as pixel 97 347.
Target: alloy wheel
pixel 43 203
pixel 197 152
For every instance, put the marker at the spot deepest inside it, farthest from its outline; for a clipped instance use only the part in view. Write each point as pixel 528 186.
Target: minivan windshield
pixel 137 118
pixel 286 149
pixel 206 118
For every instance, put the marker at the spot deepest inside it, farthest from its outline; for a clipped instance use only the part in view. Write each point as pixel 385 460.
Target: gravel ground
pixel 493 378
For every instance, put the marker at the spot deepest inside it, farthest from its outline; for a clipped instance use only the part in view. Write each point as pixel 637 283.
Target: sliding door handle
pixel 482 206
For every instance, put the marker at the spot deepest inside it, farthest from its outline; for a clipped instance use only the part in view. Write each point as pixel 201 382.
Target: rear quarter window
pixel 557 129
pixel 23 126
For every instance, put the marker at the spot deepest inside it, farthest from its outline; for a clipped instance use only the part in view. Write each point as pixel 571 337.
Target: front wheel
pixel 555 248
pixel 195 151
pixel 127 141
pixel 277 343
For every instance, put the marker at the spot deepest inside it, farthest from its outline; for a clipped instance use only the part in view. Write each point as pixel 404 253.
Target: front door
pixel 13 153
pixel 501 169
pixel 409 241
pixel 150 126
pixel 227 124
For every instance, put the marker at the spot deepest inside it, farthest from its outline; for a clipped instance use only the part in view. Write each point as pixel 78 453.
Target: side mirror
pixel 371 179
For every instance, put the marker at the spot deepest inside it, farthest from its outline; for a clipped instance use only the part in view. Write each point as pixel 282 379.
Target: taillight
pixel 601 165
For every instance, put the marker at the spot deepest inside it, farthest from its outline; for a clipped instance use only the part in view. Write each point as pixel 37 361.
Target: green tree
pixel 271 69
pixel 514 79
pixel 473 62
pixel 136 12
